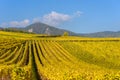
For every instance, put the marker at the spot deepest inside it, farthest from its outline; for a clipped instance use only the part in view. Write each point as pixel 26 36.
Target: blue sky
pixel 81 16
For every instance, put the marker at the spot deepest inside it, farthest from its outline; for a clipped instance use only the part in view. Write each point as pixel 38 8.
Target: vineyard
pixel 29 57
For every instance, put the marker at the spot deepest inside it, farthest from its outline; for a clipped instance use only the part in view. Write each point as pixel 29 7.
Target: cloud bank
pixel 19 24
pixel 16 23
pixel 53 18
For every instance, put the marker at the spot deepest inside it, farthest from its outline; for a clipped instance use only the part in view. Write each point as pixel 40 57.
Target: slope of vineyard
pixel 29 57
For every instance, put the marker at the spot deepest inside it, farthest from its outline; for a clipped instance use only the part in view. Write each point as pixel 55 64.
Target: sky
pixel 80 16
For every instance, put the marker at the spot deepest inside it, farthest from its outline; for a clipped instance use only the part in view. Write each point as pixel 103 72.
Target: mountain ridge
pixel 103 34
pixel 42 28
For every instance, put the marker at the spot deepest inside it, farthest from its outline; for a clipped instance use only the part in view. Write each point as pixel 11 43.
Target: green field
pixel 26 56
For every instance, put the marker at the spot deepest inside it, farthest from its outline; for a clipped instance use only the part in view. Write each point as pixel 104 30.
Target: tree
pixel 65 34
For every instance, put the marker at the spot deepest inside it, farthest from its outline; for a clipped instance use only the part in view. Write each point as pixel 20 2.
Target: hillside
pixel 25 56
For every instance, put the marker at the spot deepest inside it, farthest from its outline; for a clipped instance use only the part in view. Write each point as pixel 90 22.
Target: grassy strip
pixel 35 75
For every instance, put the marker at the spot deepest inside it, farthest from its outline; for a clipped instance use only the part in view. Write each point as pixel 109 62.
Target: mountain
pixel 103 34
pixel 42 28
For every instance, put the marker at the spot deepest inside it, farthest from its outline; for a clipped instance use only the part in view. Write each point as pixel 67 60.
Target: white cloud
pixel 16 23
pixel 4 25
pixel 19 23
pixel 55 18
